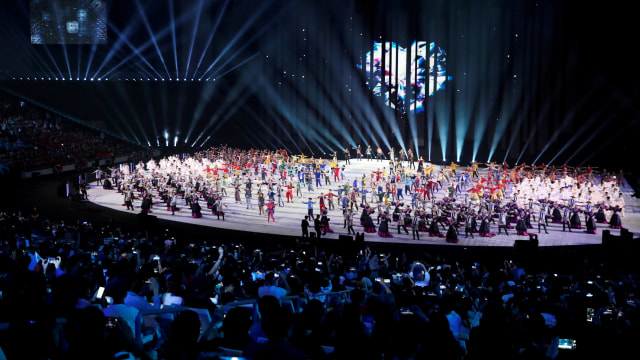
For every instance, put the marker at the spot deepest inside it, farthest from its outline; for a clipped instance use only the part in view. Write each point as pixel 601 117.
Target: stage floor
pixel 288 218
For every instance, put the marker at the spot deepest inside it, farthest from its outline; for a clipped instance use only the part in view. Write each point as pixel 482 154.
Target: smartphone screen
pixel 567 344
pixel 100 292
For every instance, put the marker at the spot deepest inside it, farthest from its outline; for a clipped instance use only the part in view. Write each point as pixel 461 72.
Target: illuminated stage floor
pixel 288 218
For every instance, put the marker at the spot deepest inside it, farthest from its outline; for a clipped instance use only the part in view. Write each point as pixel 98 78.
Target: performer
pixel 330 197
pixel 128 198
pixel 566 218
pixel 349 219
pixel 309 207
pixel 219 208
pixel 237 193
pixel 317 226
pixel 279 191
pixel 521 225
pixel 146 203
pixel 173 203
pixel 383 229
pixel 469 227
pixel 247 196
pixel 369 153
pixel 452 234
pixel 324 221
pixel 270 210
pixel 415 226
pixel 614 221
pixel 591 224
pixel 411 159
pixel 542 221
pixel 260 202
pixel 402 224
pixel 196 209
pixel 502 222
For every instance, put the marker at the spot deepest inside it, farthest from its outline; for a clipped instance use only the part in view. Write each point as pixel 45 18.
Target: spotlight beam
pixel 123 39
pixel 193 37
pixel 246 26
pixel 151 34
pixel 173 35
pixel 584 127
pixel 211 35
pixel 565 122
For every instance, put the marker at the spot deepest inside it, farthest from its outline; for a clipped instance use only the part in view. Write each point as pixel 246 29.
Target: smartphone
pixel 112 322
pixel 406 311
pixel 100 292
pixel 591 312
pixel 567 344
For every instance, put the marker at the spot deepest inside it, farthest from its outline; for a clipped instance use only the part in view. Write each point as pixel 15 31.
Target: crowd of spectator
pixel 75 290
pixel 32 137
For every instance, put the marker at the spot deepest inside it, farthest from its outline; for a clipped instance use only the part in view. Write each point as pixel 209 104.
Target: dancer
pixel 279 191
pixel 566 219
pixel 309 207
pixel 614 222
pixel 502 222
pixel 383 229
pixel 173 203
pixel 469 226
pixel 270 211
pixel 542 221
pixel 219 207
pixel 260 202
pixel 247 196
pixel 415 226
pixel 349 219
pixel 452 234
pixel 128 198
pixel 402 224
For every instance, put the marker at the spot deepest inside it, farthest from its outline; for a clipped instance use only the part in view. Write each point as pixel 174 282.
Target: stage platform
pixel 289 216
